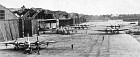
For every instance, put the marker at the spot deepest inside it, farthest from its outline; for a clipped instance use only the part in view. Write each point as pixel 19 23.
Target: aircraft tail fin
pixel 37 38
pixel 28 37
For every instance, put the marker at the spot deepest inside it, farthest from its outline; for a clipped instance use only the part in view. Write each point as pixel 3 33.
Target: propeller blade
pixel 37 38
pixel 6 45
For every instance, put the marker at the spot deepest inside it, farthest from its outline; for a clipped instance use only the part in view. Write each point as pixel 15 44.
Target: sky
pixel 90 7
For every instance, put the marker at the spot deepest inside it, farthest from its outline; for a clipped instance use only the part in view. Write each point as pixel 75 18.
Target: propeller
pixel 111 26
pixel 115 26
pixel 6 45
pixel 37 43
pixel 47 44
pixel 119 26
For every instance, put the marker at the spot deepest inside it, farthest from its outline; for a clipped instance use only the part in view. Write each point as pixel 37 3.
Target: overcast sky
pixel 92 7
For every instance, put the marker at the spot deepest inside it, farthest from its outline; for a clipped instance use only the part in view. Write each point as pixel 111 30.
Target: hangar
pixel 8 24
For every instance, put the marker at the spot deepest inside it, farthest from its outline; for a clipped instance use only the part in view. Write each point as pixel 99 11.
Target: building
pixel 8 25
pixel 6 14
pixel 33 20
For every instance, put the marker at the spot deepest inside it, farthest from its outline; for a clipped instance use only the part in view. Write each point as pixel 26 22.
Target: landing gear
pixel 106 31
pixel 117 32
pixel 16 48
pixel 28 51
pixel 38 49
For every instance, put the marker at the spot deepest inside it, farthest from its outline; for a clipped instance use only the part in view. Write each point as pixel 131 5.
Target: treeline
pixel 127 17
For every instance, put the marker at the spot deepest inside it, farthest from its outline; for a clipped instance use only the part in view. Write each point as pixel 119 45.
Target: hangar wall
pixel 8 25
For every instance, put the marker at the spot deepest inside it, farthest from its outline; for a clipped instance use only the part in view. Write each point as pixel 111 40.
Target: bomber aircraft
pixel 84 26
pixel 114 26
pixel 112 31
pixel 28 45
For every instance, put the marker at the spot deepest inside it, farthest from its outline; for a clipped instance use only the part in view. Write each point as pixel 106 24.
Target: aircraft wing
pixel 45 29
pixel 13 43
pixel 107 25
pixel 121 29
pixel 43 43
pixel 102 30
pixel 7 43
pixel 110 26
pixel 46 42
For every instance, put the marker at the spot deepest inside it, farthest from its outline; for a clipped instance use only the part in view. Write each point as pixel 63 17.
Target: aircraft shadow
pixel 56 50
pixel 43 50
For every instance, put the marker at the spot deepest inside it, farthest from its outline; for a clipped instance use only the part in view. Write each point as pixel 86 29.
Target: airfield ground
pixel 87 43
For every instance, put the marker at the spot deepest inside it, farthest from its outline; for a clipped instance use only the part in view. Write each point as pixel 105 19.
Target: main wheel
pixel 16 48
pixel 38 47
